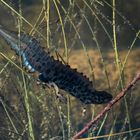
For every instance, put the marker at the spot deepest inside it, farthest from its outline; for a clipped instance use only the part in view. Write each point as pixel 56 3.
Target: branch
pixel 108 107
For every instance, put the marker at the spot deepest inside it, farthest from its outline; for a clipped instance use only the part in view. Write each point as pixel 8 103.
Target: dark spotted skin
pixel 51 70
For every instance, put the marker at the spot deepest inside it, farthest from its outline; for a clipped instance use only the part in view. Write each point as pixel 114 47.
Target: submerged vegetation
pixel 96 37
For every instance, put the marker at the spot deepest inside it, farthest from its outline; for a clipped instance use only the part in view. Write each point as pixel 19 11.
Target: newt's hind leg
pixel 58 94
pixel 52 84
pixel 45 82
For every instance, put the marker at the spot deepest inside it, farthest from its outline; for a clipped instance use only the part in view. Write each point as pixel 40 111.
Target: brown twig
pixel 108 107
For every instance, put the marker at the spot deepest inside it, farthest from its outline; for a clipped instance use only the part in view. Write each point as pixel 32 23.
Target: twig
pixel 108 107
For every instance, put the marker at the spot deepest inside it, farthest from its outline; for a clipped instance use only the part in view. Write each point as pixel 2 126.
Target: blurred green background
pixel 82 33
